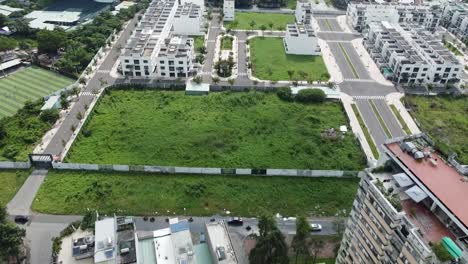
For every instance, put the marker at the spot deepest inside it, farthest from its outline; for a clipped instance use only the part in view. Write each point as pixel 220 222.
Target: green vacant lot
pixel 270 62
pixel 30 83
pixel 243 19
pixel 72 192
pixel 230 130
pixel 11 181
pixel 445 120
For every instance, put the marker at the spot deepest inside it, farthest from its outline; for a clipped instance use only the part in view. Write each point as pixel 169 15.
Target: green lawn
pixel 199 42
pixel 231 130
pixel 30 83
pixel 72 192
pixel 445 120
pixel 226 43
pixel 243 19
pixel 270 62
pixel 11 181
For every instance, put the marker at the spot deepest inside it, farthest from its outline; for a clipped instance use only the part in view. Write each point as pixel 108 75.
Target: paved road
pixel 64 133
pixel 214 31
pixel 389 118
pixel 340 59
pixel 365 88
pixel 338 36
pixel 328 24
pixel 372 122
pixel 356 60
pixel 21 203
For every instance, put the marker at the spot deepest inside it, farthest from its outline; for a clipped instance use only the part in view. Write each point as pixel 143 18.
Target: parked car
pixel 235 221
pixel 21 219
pixel 315 227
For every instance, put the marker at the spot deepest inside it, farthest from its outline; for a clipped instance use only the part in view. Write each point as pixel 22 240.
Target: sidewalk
pixel 395 99
pixel 21 203
pixel 357 130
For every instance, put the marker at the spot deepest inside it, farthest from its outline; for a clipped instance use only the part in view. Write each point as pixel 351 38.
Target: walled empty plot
pixel 243 20
pixel 227 130
pixel 28 84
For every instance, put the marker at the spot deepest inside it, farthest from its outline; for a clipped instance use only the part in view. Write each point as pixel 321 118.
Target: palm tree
pixel 270 25
pixel 299 241
pixel 215 80
pixel 231 82
pixel 291 74
pixel 252 24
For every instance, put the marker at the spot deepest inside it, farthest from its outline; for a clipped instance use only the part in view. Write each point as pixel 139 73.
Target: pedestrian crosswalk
pixel 357 80
pixel 87 94
pixel 364 97
pixel 242 74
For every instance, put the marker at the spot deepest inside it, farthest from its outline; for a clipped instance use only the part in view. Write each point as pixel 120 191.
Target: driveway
pixel 21 203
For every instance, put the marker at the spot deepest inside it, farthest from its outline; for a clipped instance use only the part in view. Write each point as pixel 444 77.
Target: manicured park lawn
pixel 243 19
pixel 30 83
pixel 445 120
pixel 230 130
pixel 11 181
pixel 226 42
pixel 270 62
pixel 72 192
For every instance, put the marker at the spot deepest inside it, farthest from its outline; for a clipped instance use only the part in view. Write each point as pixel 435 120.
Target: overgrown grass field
pixel 72 192
pixel 230 130
pixel 242 20
pixel 445 120
pixel 30 83
pixel 270 62
pixel 11 181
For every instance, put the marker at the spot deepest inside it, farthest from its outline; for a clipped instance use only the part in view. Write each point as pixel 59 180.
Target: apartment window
pixel 416 69
pixel 172 74
pixel 171 62
pixel 127 61
pixel 447 70
pixel 161 62
pixel 138 73
pixel 146 72
pixel 171 68
pixel 454 75
pixel 181 62
pixel 422 75
pixel 407 69
pixel 145 61
pixel 146 68
pixel 137 68
pixel 162 68
pixel 136 62
pixel 163 74
pixel 445 75
pixel 438 69
pixel 456 69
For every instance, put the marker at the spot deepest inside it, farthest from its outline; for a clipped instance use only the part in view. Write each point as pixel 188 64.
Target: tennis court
pixel 29 83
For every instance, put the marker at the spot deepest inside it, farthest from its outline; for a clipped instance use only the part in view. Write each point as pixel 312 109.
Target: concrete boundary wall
pixel 204 171
pixel 14 165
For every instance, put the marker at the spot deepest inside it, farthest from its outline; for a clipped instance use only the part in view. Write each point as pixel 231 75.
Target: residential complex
pixel 159 47
pixel 300 38
pixel 407 53
pixel 455 19
pixel 228 10
pixel 399 217
pixel 360 15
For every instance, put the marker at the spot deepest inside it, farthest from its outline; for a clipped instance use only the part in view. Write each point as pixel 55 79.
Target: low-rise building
pixel 360 15
pixel 303 12
pixel 400 216
pixel 229 10
pixel 188 20
pixel 408 54
pixel 220 243
pixel 455 19
pixel 300 39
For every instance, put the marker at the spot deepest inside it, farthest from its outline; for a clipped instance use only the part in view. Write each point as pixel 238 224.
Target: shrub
pixel 284 93
pixel 441 252
pixel 49 116
pixel 311 96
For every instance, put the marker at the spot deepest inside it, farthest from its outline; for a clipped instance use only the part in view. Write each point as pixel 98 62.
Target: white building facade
pixel 159 48
pixel 303 12
pixel 229 10
pixel 300 39
pixel 408 54
pixel 360 15
pixel 455 19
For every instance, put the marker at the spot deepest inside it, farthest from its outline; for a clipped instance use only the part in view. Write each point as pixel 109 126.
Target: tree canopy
pixel 11 237
pixel 271 246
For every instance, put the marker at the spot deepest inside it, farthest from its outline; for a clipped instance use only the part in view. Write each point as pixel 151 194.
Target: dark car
pixel 235 221
pixel 21 219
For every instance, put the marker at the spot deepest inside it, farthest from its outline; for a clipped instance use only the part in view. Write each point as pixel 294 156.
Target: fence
pixel 204 171
pixel 14 165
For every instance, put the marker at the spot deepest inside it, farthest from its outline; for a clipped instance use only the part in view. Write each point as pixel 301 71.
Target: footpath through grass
pixel 444 119
pixel 244 19
pixel 230 130
pixel 72 192
pixel 30 83
pixel 270 62
pixel 11 181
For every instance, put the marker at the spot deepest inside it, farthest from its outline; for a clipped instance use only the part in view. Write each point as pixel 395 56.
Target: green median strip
pixel 369 139
pixel 400 119
pixel 381 121
pixel 349 61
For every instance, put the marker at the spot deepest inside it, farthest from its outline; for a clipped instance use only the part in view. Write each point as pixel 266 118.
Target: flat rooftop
pixel 442 180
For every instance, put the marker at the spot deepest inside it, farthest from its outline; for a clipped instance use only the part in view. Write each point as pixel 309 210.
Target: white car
pixel 315 227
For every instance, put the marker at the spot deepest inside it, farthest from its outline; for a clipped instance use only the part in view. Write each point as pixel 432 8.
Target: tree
pixel 197 79
pixel 231 81
pixel 303 74
pixel 300 240
pixel 270 25
pixel 252 24
pixel 291 74
pixel 3 20
pixel 51 40
pixel 311 96
pixel 316 246
pixel 263 28
pixel 271 246
pixel 284 93
pixel 7 43
pixel 49 115
pixel 215 80
pixel 3 132
pixel 11 237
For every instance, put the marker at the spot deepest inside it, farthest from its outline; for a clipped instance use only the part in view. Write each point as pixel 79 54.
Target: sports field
pixel 30 83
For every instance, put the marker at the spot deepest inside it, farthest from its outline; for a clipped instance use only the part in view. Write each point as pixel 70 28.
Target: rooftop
pixel 440 179
pixel 221 242
pixel 105 249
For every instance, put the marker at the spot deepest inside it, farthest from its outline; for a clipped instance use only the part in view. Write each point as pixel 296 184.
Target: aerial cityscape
pixel 233 131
